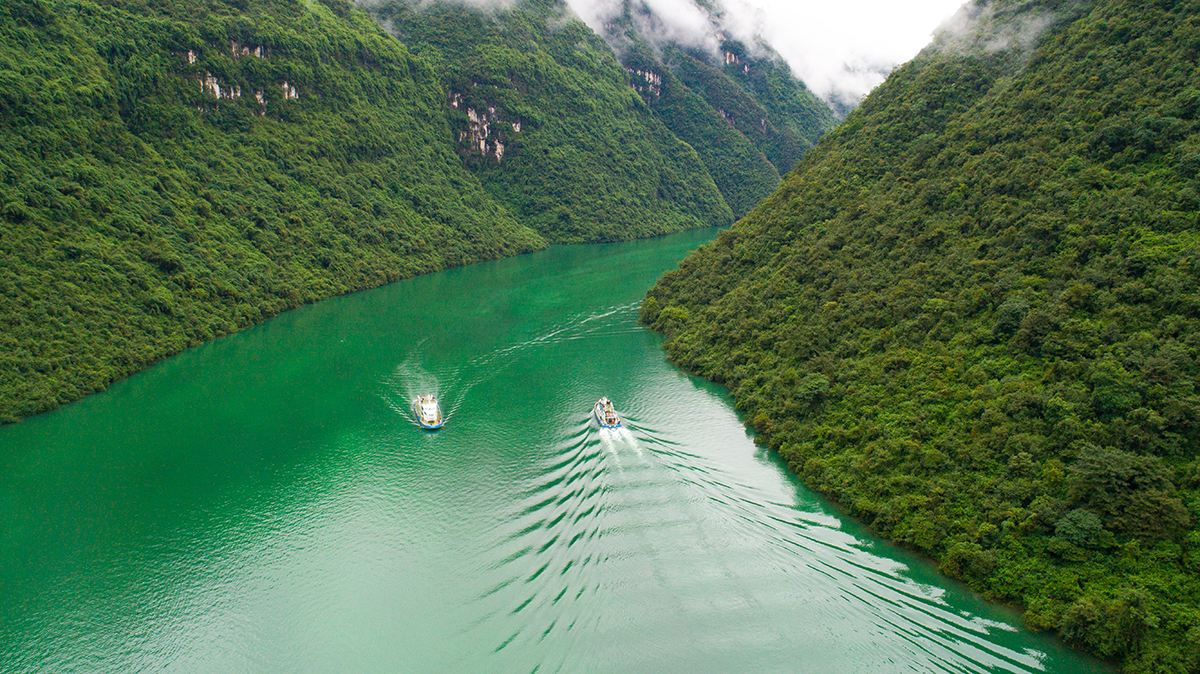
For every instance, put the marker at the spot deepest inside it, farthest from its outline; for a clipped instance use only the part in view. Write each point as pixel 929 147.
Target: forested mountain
pixel 535 98
pixel 740 169
pixel 971 317
pixel 174 170
pixel 546 119
pixel 738 105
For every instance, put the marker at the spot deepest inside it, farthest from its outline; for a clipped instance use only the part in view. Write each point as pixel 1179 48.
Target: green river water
pixel 265 503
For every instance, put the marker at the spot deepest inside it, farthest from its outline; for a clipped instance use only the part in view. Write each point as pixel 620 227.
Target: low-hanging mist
pixel 841 50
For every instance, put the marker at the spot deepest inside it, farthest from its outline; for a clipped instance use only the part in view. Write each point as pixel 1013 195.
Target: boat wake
pixel 411 380
pixel 611 320
pixel 620 437
pixel 620 444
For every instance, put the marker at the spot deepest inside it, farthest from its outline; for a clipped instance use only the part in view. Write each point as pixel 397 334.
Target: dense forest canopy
pixel 553 128
pixel 736 103
pixel 540 98
pixel 173 170
pixel 971 317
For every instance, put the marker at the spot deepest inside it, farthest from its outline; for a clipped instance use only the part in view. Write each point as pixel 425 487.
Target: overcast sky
pixel 830 45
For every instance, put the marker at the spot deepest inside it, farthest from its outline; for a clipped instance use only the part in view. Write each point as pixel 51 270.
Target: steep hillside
pixel 740 170
pixel 740 107
pixel 174 171
pixel 171 171
pixel 547 120
pixel 544 117
pixel 755 91
pixel 971 317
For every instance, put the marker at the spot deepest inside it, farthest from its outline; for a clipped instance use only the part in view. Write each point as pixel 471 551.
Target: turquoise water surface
pixel 266 503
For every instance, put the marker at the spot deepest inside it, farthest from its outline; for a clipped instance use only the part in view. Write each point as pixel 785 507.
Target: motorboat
pixel 428 411
pixel 605 414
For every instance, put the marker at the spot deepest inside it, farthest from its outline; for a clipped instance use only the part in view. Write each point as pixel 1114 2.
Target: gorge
pixel 967 317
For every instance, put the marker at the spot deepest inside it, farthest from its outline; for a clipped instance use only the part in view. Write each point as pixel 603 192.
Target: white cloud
pixel 681 21
pixel 848 46
pixel 838 49
pixel 977 26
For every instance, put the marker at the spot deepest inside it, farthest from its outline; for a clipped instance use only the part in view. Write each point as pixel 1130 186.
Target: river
pixel 265 503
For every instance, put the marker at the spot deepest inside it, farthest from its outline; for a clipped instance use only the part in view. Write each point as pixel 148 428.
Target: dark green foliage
pixel 1109 627
pixel 739 168
pixel 1132 493
pixel 547 120
pixel 747 116
pixel 992 266
pixel 172 171
pixel 142 213
pixel 1083 529
pixel 759 97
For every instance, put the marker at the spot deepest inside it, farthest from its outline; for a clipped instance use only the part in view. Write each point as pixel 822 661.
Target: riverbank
pixel 264 501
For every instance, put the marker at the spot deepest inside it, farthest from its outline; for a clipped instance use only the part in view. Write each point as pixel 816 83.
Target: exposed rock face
pixel 647 83
pixel 238 50
pixel 221 90
pixel 217 87
pixel 480 137
pixel 732 59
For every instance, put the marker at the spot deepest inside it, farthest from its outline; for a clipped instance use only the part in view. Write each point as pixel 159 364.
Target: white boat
pixel 605 414
pixel 428 411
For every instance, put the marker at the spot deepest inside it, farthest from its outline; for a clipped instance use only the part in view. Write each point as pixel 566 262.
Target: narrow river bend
pixel 265 503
